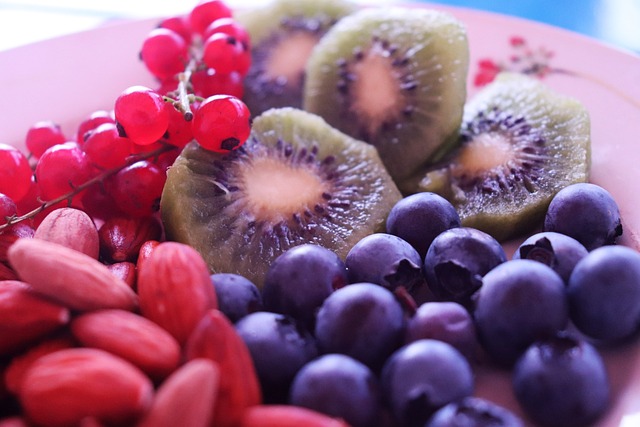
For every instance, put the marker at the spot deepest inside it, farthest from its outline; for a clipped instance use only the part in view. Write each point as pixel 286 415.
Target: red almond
pixel 186 398
pixel 175 289
pixel 130 336
pixel 287 416
pixel 122 237
pixel 126 271
pixel 216 339
pixel 7 273
pixel 69 277
pixel 65 387
pixel 13 422
pixel 26 316
pixel 145 251
pixel 20 364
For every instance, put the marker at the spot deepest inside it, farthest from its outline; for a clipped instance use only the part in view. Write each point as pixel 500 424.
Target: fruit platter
pixel 321 214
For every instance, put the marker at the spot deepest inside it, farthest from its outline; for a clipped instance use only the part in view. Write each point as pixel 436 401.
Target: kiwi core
pixel 486 152
pixel 377 98
pixel 275 191
pixel 288 59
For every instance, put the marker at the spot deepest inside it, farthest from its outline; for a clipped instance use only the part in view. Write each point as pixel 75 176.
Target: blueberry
pixel 586 212
pixel 561 381
pixel 556 250
pixel 519 302
pixel 300 279
pixel 361 320
pixel 237 296
pixel 386 260
pixel 279 347
pixel 456 261
pixel 474 412
pixel 420 217
pixel 445 321
pixel 339 386
pixel 604 293
pixel 421 377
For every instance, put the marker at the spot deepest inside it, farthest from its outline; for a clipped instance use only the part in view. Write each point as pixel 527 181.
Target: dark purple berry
pixel 586 212
pixel 237 296
pixel 474 412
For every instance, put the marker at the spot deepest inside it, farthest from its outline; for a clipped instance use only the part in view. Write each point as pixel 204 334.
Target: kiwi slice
pixel 520 143
pixel 283 33
pixel 296 180
pixel 396 78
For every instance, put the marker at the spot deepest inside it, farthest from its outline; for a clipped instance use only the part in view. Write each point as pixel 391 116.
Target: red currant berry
pixel 8 208
pixel 165 53
pixel 221 52
pixel 141 114
pixel 207 11
pixel 106 148
pixel 15 172
pixel 136 189
pixel 178 24
pixel 221 123
pixel 61 169
pixel 230 27
pixel 31 200
pixel 99 204
pixel 90 123
pixel 208 82
pixel 43 135
pixel 179 132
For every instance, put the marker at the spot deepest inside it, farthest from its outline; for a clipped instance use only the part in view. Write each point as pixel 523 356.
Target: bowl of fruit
pixel 323 214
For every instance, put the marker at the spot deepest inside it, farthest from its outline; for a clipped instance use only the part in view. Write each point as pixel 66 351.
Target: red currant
pixel 90 123
pixel 61 169
pixel 106 148
pixel 165 53
pixel 15 172
pixel 178 24
pixel 31 200
pixel 207 11
pixel 141 114
pixel 136 189
pixel 8 208
pixel 179 132
pixel 221 123
pixel 230 27
pixel 222 52
pixel 43 135
pixel 209 82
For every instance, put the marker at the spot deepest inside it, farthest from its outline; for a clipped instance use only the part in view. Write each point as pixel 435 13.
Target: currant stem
pixel 183 93
pixel 77 190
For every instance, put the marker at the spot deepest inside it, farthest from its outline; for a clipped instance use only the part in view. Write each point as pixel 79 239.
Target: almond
pixel 126 271
pixel 145 251
pixel 69 277
pixel 287 416
pixel 65 387
pixel 7 273
pixel 216 339
pixel 26 316
pixel 20 364
pixel 175 289
pixel 186 398
pixel 72 228
pixel 122 237
pixel 13 422
pixel 130 336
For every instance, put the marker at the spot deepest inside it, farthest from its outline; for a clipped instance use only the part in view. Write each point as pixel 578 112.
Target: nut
pixel 72 228
pixel 287 416
pixel 122 237
pixel 69 277
pixel 67 386
pixel 175 289
pixel 130 336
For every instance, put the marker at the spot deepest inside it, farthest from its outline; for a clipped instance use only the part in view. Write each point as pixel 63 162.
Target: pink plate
pixel 67 78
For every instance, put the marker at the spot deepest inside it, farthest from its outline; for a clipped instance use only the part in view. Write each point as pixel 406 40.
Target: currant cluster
pixel 116 162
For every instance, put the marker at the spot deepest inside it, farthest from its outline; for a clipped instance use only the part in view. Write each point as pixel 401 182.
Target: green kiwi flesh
pixel 283 33
pixel 296 180
pixel 396 78
pixel 520 143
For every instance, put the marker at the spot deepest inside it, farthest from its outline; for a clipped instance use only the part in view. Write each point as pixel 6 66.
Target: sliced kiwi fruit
pixel 520 143
pixel 296 180
pixel 283 33
pixel 396 78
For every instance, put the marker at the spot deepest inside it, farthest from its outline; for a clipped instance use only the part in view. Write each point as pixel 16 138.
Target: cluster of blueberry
pixel 391 336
